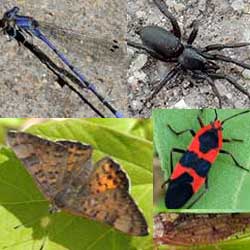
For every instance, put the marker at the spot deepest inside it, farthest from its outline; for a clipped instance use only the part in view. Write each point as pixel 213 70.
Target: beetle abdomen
pixel 161 41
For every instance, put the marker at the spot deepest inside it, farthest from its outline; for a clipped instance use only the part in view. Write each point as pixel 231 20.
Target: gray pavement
pixel 28 89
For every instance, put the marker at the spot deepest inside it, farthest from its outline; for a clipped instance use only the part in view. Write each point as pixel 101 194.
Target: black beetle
pixel 167 46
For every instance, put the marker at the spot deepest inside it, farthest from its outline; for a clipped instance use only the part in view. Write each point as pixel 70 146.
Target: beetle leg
pixel 164 10
pixel 173 150
pixel 234 160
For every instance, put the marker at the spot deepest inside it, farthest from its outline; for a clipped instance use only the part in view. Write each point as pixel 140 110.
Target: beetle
pixel 191 172
pixel 167 46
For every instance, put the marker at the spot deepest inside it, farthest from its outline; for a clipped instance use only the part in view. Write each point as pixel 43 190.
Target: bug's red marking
pixel 195 145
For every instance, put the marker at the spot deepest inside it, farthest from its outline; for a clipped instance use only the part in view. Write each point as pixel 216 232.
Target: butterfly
pixel 64 173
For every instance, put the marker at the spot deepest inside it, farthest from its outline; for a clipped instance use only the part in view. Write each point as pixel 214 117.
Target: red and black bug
pixel 191 172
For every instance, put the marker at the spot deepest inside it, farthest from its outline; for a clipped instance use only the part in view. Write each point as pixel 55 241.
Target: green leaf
pixel 228 184
pixel 9 123
pixel 23 204
pixel 138 127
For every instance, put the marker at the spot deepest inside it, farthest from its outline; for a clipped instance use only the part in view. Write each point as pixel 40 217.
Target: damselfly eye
pixel 8 15
pixel 11 13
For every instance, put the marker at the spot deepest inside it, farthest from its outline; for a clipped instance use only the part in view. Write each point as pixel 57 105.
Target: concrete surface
pixel 220 21
pixel 28 89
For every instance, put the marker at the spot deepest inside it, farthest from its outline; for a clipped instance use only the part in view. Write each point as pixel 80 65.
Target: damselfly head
pixel 10 14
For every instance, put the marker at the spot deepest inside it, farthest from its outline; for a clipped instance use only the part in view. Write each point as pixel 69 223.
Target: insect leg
pixel 173 150
pixel 182 131
pixel 164 10
pixel 229 140
pixel 233 158
pixel 200 121
pixel 203 192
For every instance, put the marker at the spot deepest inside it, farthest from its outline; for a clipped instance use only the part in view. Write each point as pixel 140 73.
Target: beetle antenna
pixel 231 117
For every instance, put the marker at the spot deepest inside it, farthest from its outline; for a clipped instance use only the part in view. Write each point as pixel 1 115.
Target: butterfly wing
pixel 44 160
pixel 105 199
pixel 113 207
pixel 78 167
pixel 107 175
pixel 99 192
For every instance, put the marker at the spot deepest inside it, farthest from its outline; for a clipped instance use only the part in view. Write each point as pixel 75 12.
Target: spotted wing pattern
pixel 113 207
pixel 107 175
pixel 44 160
pixel 64 173
pixel 105 199
pixel 79 166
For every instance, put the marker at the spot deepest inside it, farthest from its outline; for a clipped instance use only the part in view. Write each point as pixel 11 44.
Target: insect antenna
pixel 231 117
